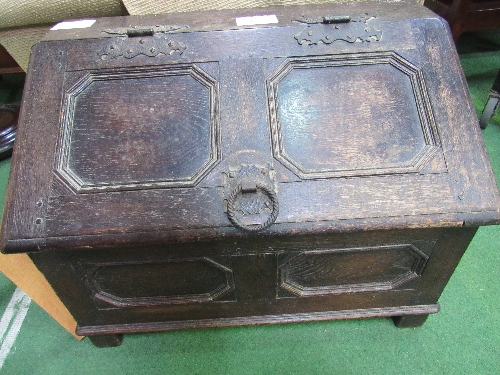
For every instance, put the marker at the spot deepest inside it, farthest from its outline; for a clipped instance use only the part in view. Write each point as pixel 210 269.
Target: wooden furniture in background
pixel 492 104
pixel 7 63
pixel 467 15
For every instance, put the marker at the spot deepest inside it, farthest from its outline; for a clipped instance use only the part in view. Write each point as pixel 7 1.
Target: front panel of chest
pixel 230 279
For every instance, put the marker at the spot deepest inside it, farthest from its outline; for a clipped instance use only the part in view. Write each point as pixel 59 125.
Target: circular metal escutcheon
pixel 252 210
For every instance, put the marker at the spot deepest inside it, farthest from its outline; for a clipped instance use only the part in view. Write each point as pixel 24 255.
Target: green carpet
pixel 463 338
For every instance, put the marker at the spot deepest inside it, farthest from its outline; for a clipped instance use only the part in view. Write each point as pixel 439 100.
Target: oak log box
pixel 245 167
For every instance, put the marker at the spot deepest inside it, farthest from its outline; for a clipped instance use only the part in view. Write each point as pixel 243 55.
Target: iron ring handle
pixel 232 211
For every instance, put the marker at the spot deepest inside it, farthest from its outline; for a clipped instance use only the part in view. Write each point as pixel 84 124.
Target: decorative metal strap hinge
pixel 142 40
pixel 250 194
pixel 328 29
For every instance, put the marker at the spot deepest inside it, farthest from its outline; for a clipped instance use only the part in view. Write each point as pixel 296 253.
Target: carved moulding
pixel 203 280
pixel 338 271
pixel 70 178
pixel 294 135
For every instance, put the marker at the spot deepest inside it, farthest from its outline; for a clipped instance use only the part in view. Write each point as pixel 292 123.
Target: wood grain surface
pixel 356 138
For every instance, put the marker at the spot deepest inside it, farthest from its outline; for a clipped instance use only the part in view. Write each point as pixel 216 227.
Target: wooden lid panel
pixel 225 130
pixel 139 128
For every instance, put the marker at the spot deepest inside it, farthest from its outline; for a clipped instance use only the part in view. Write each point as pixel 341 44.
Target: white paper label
pixel 68 25
pixel 256 20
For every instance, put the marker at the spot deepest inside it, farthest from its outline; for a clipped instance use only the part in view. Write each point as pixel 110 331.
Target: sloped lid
pixel 196 126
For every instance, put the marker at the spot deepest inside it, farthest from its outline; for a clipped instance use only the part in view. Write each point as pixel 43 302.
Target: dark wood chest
pixel 242 167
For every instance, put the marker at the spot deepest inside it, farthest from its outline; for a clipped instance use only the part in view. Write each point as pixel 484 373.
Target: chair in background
pixel 467 15
pixel 492 104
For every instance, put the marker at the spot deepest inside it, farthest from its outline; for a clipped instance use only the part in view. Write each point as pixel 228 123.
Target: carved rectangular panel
pixel 350 114
pixel 139 128
pixel 365 269
pixel 136 283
